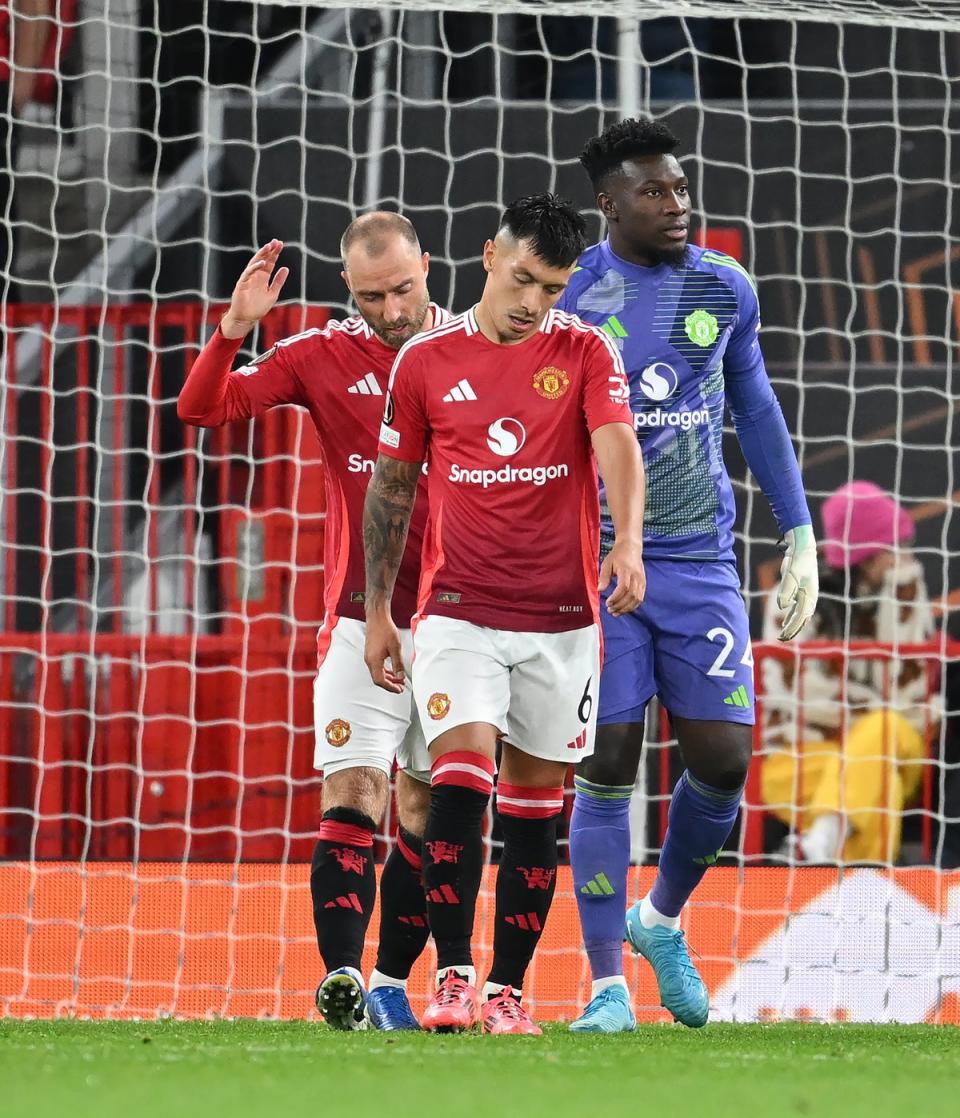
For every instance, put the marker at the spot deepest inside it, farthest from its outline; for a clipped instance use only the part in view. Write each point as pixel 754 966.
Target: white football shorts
pixel 359 725
pixel 538 689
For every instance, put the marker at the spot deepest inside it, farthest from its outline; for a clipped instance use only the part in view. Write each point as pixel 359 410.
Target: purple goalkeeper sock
pixel 599 858
pixel 700 820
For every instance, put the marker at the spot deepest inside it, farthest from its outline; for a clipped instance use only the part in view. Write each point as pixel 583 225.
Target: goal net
pixel 161 588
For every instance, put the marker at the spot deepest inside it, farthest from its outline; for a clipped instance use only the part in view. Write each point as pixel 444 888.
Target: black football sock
pixel 404 930
pixel 526 879
pixel 453 852
pixel 343 885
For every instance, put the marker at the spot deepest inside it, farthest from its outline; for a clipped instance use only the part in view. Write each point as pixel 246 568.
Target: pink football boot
pixel 452 1008
pixel 504 1014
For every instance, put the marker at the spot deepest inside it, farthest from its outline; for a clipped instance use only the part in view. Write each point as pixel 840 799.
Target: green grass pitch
pixel 75 1069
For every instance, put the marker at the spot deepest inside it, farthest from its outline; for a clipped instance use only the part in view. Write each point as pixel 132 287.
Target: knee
pixel 516 825
pixel 362 790
pixel 528 817
pixel 349 818
pixel 413 803
pixel 616 756
pixel 615 772
pixel 725 767
pixel 461 785
pixel 345 826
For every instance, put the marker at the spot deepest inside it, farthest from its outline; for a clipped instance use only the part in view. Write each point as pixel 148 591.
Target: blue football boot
pixel 682 991
pixel 389 1009
pixel 609 1012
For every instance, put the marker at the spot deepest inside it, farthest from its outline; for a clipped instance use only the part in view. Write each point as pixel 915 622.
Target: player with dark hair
pixel 603 158
pixel 686 320
pixel 509 402
pixel 340 375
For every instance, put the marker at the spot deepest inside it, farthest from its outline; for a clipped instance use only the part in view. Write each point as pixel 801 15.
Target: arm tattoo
pixel 386 517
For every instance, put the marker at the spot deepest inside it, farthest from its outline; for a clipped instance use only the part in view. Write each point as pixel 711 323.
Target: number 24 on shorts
pixel 726 638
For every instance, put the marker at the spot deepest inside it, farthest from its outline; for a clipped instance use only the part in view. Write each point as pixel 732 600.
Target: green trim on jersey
pixel 614 328
pixel 711 256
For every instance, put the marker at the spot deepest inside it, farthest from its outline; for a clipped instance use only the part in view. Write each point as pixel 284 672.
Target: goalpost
pixel 160 589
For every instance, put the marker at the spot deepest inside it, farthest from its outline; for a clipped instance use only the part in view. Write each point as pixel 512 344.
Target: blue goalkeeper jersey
pixel 688 336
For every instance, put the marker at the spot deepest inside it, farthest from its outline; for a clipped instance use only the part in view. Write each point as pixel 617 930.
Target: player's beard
pixel 413 324
pixel 675 256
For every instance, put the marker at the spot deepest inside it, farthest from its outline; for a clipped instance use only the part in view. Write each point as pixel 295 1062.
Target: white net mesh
pixel 161 590
pixel 931 14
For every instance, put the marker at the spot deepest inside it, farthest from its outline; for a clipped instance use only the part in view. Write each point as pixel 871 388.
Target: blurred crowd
pixel 847 735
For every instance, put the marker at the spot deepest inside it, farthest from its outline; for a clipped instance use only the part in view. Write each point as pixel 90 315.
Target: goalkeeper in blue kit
pixel 686 320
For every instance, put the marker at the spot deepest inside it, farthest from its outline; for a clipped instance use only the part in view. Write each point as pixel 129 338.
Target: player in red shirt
pixel 513 405
pixel 340 375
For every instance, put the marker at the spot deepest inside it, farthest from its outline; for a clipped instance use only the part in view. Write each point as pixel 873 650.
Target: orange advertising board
pixel 202 940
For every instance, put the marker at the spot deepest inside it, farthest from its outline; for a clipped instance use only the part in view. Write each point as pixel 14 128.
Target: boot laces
pixel 508 1006
pixel 451 990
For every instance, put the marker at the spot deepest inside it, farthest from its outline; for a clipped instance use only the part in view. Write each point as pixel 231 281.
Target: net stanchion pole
pixel 82 505
pixel 628 66
pixel 152 491
pixel 117 470
pixel 8 436
pixel 378 112
pixel 189 495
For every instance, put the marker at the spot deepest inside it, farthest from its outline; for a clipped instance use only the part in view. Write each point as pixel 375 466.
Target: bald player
pixel 339 374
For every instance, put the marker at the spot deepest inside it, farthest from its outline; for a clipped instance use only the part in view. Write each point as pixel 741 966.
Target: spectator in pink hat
pixel 863 527
pixel 843 755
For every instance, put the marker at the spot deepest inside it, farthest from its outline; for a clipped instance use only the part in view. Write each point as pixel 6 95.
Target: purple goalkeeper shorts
pixel 688 642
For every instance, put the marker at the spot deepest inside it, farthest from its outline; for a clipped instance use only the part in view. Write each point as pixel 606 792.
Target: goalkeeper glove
pixel 799 580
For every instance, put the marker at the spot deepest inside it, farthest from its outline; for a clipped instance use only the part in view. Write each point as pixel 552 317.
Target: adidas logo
pixel 739 698
pixel 526 921
pixel 614 328
pixel 366 386
pixel 598 886
pixel 443 895
pixel 579 742
pixel 460 393
pixel 415 921
pixel 709 859
pixel 351 900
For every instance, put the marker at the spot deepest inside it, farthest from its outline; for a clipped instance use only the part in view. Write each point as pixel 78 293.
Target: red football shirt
pixel 514 524
pixel 339 374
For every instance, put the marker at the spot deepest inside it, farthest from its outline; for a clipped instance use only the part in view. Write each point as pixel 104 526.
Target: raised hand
pixel 255 293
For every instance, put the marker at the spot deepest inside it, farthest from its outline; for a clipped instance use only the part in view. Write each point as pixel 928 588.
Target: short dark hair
pixel 627 139
pixel 555 230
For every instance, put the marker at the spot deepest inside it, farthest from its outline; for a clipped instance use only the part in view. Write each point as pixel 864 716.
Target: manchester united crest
pixel 701 328
pixel 537 877
pixel 338 732
pixel 438 705
pixel 551 382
